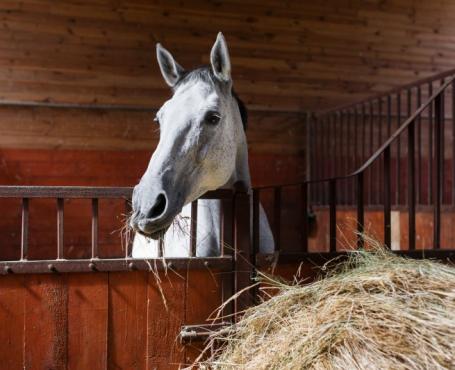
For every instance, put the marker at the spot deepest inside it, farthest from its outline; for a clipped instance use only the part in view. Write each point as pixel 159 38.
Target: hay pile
pixel 376 311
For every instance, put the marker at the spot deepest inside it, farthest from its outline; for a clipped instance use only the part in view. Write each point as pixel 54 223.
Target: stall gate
pixel 117 312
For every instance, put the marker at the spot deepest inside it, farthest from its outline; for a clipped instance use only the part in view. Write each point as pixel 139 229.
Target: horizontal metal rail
pixel 222 264
pixel 100 192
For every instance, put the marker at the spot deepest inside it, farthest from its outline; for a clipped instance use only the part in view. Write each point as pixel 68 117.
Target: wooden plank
pixel 87 321
pixel 12 322
pixel 127 320
pixel 165 316
pixel 45 322
pixel 201 303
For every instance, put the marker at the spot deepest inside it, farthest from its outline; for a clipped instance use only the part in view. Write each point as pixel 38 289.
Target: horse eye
pixel 212 118
pixel 156 120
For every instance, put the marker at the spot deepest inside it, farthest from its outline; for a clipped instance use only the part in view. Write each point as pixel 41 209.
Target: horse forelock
pixel 205 74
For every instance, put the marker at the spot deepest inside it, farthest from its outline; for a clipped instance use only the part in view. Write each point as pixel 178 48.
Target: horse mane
pixel 205 74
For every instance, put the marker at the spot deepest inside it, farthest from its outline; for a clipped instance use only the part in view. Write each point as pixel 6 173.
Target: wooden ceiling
pixel 287 55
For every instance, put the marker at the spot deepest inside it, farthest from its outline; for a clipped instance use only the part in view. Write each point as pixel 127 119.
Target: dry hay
pixel 376 311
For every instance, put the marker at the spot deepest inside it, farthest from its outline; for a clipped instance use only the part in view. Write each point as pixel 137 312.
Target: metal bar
pixel 437 173
pixel 442 142
pixel 161 246
pixel 344 167
pixel 360 210
pixel 356 139
pixel 398 159
pixel 380 178
pixel 223 264
pixel 370 172
pixel 411 189
pixel 243 269
pixel 342 159
pixel 95 228
pixel 277 217
pixel 348 159
pixel 304 213
pixel 333 216
pixel 453 143
pixel 256 239
pixel 387 199
pixel 201 332
pixel 419 148
pixel 128 236
pixel 60 205
pixel 430 146
pixel 82 192
pixel 24 229
pixel 193 229
pixel 363 133
pixel 256 229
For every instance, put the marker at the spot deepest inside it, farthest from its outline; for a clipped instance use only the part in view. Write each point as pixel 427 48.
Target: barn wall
pixel 286 56
pixel 126 320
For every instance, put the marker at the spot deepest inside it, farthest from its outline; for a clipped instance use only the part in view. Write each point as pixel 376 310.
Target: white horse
pixel 202 147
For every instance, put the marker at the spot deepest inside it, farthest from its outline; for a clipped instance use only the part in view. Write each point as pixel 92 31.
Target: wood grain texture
pixel 12 318
pixel 45 322
pixel 127 320
pixel 285 56
pixel 87 321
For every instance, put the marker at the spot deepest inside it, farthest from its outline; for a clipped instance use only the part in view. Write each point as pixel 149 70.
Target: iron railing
pixel 433 109
pixel 345 137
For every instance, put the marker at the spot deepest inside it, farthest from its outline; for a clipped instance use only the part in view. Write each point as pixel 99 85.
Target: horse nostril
pixel 158 208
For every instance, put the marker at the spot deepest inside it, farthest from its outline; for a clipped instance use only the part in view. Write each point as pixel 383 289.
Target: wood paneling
pixel 127 130
pixel 286 56
pixel 102 320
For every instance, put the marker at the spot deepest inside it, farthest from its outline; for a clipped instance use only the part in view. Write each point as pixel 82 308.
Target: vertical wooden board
pixel 12 321
pixel 165 316
pixel 46 324
pixel 87 321
pixel 203 297
pixel 127 320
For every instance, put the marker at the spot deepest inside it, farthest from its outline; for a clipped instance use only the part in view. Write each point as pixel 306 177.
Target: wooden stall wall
pixel 102 320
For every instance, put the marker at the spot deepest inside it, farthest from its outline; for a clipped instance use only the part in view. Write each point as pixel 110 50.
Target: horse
pixel 202 147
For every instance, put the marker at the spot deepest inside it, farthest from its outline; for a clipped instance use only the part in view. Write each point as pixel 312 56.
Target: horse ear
pixel 170 69
pixel 219 58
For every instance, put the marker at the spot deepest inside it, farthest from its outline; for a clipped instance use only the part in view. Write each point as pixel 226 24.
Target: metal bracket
pixel 201 332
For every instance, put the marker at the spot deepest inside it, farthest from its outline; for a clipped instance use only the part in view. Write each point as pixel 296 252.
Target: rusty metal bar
pixel 24 229
pixel 398 159
pixel 197 333
pixel 364 136
pixel 193 229
pixel 256 239
pixel 304 213
pixel 419 148
pixel 430 146
pixel 128 236
pixel 387 199
pixel 277 217
pixel 453 143
pixel 349 157
pixel 95 228
pixel 360 210
pixel 380 178
pixel 439 116
pixel 71 192
pixel 256 223
pixel 60 206
pixel 161 246
pixel 411 189
pixel 243 269
pixel 223 264
pixel 370 172
pixel 333 216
